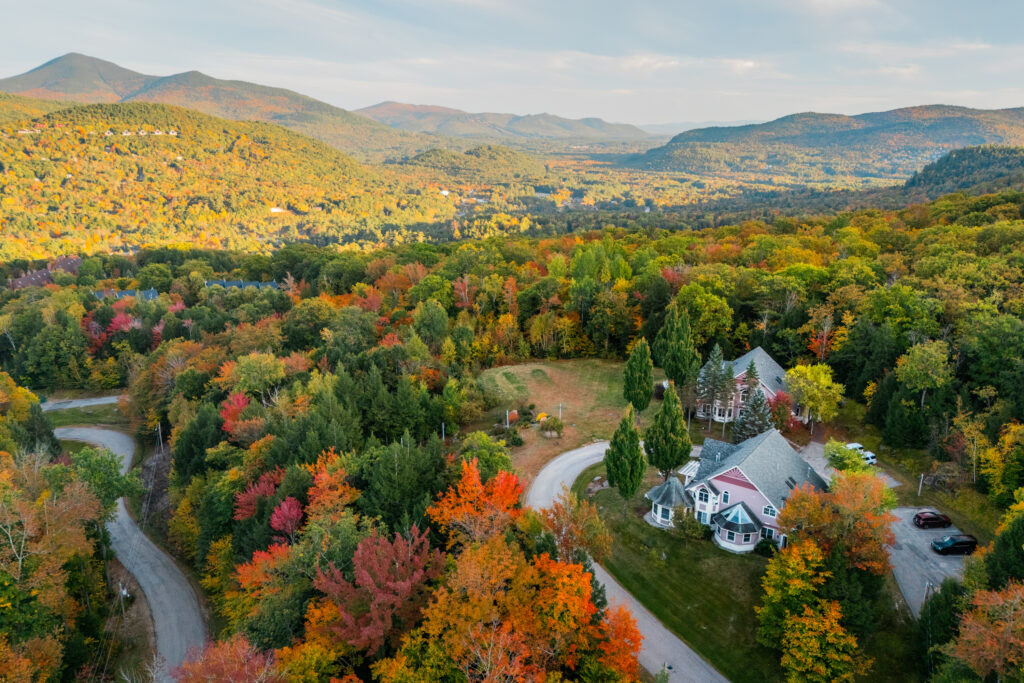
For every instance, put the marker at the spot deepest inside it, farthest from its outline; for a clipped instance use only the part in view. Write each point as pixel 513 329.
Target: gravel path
pixel 177 618
pixel 661 646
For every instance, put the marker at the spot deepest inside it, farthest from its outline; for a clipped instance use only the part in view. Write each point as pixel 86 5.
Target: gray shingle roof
pixel 767 460
pixel 671 494
pixel 770 373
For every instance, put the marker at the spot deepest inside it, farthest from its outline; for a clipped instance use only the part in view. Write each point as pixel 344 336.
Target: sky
pixel 634 61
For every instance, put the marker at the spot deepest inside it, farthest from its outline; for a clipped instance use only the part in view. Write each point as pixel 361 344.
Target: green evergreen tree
pixel 755 417
pixel 716 383
pixel 666 335
pixel 638 382
pixel 682 361
pixel 667 441
pixel 202 432
pixel 624 460
pixel 1006 561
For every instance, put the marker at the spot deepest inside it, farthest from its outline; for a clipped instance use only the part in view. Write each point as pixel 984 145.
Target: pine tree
pixel 666 335
pixel 624 460
pixel 667 441
pixel 716 383
pixel 755 417
pixel 681 361
pixel 638 384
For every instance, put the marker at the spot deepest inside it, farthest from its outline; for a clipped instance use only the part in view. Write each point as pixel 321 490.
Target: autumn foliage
pixel 472 510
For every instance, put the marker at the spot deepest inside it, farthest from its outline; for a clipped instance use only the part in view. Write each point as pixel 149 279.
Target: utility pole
pixel 559 411
pixel 920 483
pixel 442 431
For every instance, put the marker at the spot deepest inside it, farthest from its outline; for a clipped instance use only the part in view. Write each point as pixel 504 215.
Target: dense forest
pixel 305 421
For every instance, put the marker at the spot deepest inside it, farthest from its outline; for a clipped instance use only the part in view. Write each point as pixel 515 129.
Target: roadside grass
pixel 72 447
pixel 970 511
pixel 106 414
pixel 706 595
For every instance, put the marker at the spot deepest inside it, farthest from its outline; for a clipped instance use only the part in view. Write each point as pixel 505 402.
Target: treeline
pixel 53 588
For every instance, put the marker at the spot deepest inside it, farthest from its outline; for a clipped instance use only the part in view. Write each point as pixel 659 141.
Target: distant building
pixel 69 264
pixel 241 284
pixel 771 379
pixel 36 278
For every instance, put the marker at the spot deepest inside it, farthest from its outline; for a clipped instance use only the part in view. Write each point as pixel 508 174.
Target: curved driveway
pixel 79 403
pixel 177 618
pixel 661 646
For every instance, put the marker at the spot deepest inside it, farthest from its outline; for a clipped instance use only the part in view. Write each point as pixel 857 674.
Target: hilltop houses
pixel 771 379
pixel 739 489
pixel 44 276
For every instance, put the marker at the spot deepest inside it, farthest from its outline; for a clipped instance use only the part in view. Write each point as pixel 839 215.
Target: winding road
pixel 47 406
pixel 661 647
pixel 177 619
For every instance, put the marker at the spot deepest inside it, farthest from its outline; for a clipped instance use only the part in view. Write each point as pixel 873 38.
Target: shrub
pixel 553 424
pixel 766 547
pixel 689 526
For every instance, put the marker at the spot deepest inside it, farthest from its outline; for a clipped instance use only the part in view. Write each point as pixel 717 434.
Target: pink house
pixel 771 379
pixel 739 489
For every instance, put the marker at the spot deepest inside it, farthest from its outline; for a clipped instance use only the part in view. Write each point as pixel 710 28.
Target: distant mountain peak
pixel 457 123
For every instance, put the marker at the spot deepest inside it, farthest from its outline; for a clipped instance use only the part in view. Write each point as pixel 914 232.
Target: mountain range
pixel 387 131
pixel 819 148
pixel 457 123
pixel 79 78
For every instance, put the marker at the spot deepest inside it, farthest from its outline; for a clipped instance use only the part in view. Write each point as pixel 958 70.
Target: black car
pixel 955 545
pixel 931 520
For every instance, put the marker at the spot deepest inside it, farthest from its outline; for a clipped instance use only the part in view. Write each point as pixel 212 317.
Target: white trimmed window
pixel 769 511
pixel 703 496
pixel 746 538
pixel 730 536
pixel 725 497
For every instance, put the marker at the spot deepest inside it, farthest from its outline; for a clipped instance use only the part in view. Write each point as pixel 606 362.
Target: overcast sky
pixel 638 61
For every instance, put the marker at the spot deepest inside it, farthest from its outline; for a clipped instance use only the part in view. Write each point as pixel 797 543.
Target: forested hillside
pixel 304 421
pixel 974 169
pixel 457 123
pixel 117 177
pixel 80 78
pixel 14 108
pixel 829 149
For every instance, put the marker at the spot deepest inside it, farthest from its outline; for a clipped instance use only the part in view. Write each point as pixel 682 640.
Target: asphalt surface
pixel 660 646
pixel 177 619
pixel 78 403
pixel 915 564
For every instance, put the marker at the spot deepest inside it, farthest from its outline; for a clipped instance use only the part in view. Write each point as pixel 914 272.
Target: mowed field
pixel 590 394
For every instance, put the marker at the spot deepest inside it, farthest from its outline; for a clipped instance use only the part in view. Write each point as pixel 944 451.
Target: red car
pixel 931 520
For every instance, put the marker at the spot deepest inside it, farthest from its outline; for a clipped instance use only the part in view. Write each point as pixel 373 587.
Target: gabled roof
pixel 671 494
pixel 769 372
pixel 767 460
pixel 737 518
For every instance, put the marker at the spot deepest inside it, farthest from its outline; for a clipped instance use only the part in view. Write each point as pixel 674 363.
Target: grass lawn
pixel 970 511
pixel 703 594
pixel 590 392
pixel 71 447
pixel 706 596
pixel 101 415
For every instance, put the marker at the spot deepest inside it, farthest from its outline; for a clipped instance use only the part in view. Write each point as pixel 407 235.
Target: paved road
pixel 661 646
pixel 79 403
pixel 177 618
pixel 915 564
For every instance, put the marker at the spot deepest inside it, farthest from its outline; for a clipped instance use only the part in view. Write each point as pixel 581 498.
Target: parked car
pixel 854 446
pixel 868 457
pixel 928 519
pixel 955 545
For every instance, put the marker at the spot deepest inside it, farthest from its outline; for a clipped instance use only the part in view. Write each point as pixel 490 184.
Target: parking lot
pixel 914 563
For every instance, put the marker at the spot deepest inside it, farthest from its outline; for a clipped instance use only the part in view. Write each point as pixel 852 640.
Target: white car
pixel 868 457
pixel 855 446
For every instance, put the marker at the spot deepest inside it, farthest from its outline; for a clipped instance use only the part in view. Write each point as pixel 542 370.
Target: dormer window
pixel 769 511
pixel 702 496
